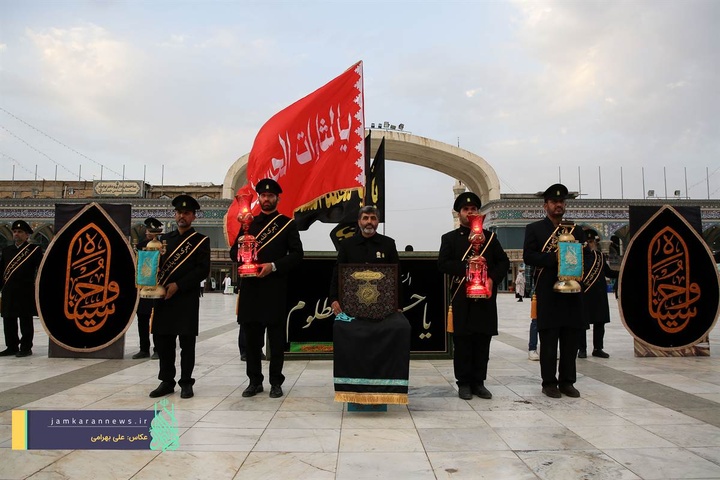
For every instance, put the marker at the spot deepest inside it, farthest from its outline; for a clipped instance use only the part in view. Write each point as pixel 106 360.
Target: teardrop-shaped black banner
pixel 85 288
pixel 669 284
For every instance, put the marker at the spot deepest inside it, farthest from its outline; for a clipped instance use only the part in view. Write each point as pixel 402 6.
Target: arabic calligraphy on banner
pixel 669 289
pixel 310 319
pixel 671 293
pixel 89 294
pixel 86 294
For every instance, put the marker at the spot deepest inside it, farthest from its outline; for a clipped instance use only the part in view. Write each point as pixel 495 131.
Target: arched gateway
pixel 465 166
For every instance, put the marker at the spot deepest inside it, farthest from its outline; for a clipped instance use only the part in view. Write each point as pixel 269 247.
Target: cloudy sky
pixel 542 90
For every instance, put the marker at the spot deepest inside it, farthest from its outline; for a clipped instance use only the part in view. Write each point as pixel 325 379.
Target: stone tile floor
pixel 648 418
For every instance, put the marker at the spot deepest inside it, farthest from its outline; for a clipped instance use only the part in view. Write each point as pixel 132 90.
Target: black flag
pixel 375 181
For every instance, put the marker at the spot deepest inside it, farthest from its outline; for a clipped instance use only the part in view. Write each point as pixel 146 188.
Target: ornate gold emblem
pixel 670 291
pixel 368 294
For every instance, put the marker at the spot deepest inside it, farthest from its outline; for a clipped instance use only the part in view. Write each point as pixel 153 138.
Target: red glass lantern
pixel 476 281
pixel 247 245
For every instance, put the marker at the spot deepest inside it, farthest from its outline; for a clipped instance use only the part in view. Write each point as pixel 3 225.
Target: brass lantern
pixel 148 264
pixel 570 261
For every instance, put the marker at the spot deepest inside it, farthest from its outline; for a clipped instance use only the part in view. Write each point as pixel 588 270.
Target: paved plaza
pixel 637 418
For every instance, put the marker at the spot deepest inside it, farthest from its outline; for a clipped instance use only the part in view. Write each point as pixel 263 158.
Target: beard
pixel 268 206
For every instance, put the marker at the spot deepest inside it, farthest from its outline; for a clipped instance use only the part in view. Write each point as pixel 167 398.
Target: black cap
pixel 555 192
pixel 591 234
pixel 22 225
pixel 153 223
pixel 466 198
pixel 185 202
pixel 268 185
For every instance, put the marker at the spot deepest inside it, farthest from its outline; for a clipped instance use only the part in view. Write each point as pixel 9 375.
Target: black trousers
pixel 143 321
pixel 10 327
pixel 255 338
pixel 470 358
pixel 165 347
pixel 598 336
pixel 568 338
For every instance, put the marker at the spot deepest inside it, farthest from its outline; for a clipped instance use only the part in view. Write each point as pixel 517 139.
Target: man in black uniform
pixel 183 266
pixel 559 315
pixel 596 308
pixel 261 300
pixel 145 305
pixel 475 320
pixel 20 262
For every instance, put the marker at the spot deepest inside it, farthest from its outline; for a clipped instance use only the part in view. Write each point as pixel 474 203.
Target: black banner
pixel 375 181
pixel 86 293
pixel 310 319
pixel 333 207
pixel 668 284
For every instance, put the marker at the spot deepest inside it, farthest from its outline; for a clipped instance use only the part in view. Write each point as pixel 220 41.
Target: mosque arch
pixel 472 170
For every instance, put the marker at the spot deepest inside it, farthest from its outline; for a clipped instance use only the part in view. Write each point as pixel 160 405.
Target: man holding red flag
pixel 261 301
pixel 315 148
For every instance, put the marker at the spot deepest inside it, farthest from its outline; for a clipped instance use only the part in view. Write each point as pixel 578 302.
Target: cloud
pixel 85 67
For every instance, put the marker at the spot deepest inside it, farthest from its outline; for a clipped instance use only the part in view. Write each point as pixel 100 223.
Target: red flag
pixel 314 149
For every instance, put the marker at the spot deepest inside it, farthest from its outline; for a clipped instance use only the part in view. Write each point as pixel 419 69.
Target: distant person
pixel 596 308
pixel 261 301
pixel 227 285
pixel 520 285
pixel 475 320
pixel 559 315
pixel 202 287
pixel 145 305
pixel 20 263
pixel 183 266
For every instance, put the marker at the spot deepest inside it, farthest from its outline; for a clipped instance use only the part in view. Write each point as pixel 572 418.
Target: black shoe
pixel 569 390
pixel 8 352
pixel 465 392
pixel 600 353
pixel 243 358
pixel 186 391
pixel 481 392
pixel 520 300
pixel 276 391
pixel 252 390
pixel 582 354
pixel 155 356
pixel 24 353
pixel 141 354
pixel 165 388
pixel 551 392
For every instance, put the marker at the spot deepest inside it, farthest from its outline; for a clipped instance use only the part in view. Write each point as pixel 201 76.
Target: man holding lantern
pixel 261 299
pixel 559 310
pixel 475 261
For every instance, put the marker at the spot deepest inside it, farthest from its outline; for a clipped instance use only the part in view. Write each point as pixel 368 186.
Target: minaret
pixel 458 188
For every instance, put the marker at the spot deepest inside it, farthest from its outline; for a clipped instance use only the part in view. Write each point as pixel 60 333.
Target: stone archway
pixel 472 170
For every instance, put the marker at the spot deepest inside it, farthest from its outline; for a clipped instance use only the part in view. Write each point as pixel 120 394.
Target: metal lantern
pixel 247 244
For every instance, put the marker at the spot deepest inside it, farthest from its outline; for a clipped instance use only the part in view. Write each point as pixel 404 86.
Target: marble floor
pixel 637 418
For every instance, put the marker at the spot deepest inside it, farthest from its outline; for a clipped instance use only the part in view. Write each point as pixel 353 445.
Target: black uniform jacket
pixel 264 299
pixel 358 249
pixel 181 314
pixel 553 309
pixel 18 293
pixel 596 308
pixel 472 315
